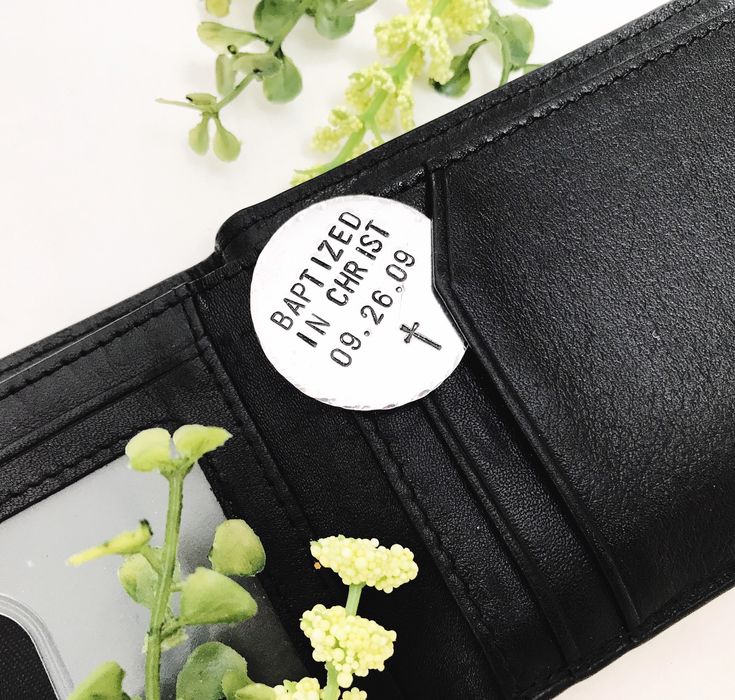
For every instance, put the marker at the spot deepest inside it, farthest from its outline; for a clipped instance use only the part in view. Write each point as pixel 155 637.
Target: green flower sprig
pixel 152 576
pixel 236 69
pixel 379 99
pixel 348 645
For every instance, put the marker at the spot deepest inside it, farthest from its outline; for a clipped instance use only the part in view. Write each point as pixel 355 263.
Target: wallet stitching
pixel 532 577
pixel 636 67
pixel 29 381
pixel 435 536
pixel 51 345
pixel 91 404
pixel 92 455
pixel 56 473
pixel 473 114
pixel 458 157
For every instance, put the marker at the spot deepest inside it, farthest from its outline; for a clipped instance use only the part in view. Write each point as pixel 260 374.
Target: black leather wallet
pixel 569 489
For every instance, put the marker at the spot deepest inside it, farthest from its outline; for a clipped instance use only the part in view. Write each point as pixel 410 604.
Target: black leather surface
pixel 568 490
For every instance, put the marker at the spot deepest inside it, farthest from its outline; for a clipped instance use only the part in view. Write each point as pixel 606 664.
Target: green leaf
pixel 201 677
pixel 459 83
pixel 226 145
pixel 518 37
pixel 220 38
pixel 150 449
pixel 224 73
pixel 138 579
pixel 237 550
pixel 199 136
pixel 532 4
pixel 194 441
pixel 128 542
pixel 218 8
pixel 284 85
pixel 208 597
pixel 202 99
pixel 333 27
pixel 272 17
pixel 255 691
pixel 104 683
pixel 263 64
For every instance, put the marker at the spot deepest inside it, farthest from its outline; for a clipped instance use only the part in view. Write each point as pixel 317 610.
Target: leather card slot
pixel 537 530
pixel 466 546
pixel 598 298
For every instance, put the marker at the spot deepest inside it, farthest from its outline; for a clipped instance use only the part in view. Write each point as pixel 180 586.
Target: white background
pixel 100 197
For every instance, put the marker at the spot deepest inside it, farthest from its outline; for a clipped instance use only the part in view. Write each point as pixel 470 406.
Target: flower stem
pixel 331 691
pixel 232 94
pixel 163 593
pixel 353 599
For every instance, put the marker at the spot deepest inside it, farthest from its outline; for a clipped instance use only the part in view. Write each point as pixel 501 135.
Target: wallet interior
pixel 568 490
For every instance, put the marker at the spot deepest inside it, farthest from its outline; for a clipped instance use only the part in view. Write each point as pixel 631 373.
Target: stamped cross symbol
pixel 412 333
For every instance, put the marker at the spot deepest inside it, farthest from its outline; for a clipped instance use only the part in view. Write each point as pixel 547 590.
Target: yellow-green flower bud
pixel 220 38
pixel 354 694
pixel 305 689
pixel 202 99
pixel 365 562
pixel 256 691
pixel 354 645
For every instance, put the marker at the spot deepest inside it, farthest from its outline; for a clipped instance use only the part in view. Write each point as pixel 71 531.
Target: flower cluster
pixel 305 689
pixel 431 30
pixel 459 17
pixel 354 694
pixel 423 31
pixel 365 562
pixel 353 644
pixel 308 689
pixel 396 108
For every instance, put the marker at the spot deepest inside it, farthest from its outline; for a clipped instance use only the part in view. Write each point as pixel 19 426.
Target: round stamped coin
pixel 344 307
